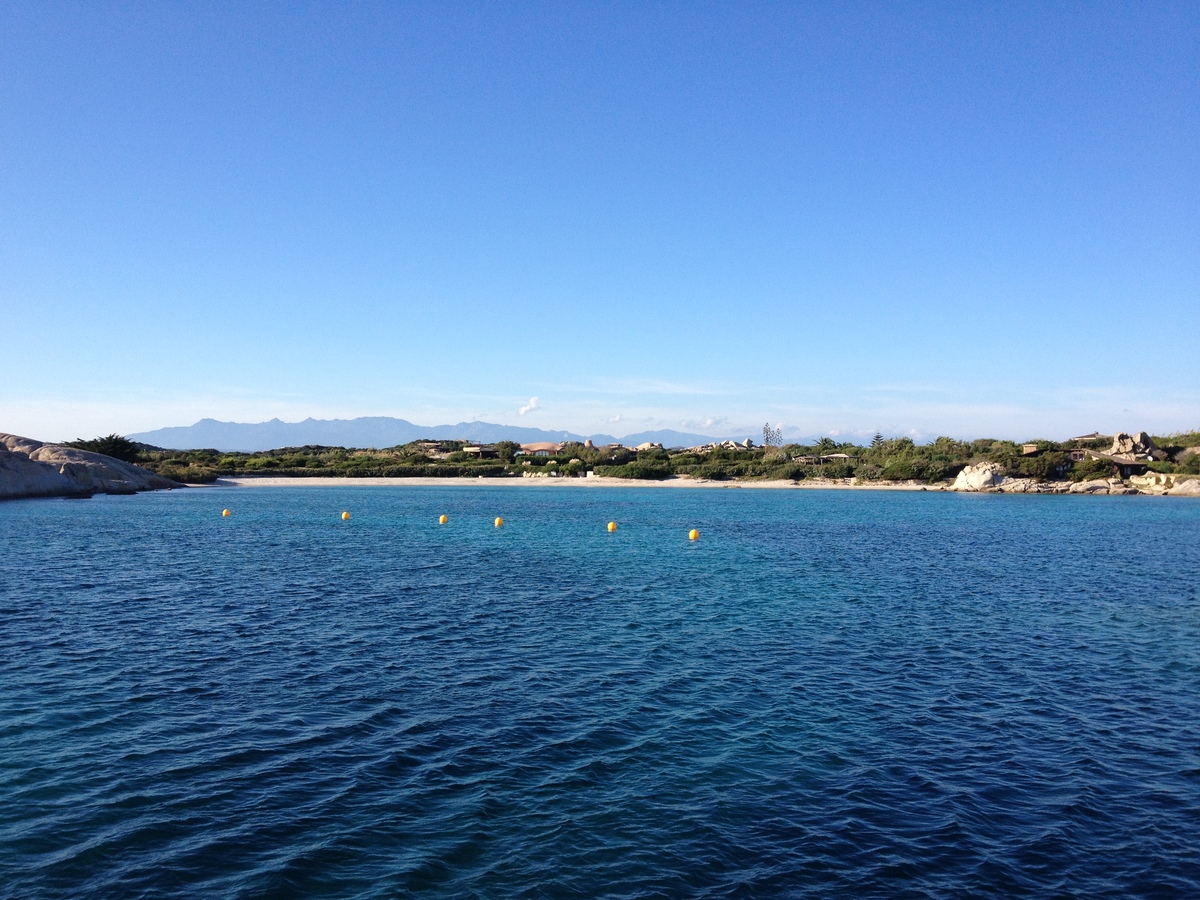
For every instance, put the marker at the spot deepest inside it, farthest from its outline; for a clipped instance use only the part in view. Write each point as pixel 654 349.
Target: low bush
pixel 637 470
pixel 114 445
pixel 1090 469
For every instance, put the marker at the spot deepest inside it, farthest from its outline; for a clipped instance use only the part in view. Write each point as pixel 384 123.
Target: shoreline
pixel 1014 486
pixel 677 483
pixel 552 483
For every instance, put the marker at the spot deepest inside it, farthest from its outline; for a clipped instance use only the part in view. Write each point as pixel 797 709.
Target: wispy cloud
pixel 533 404
pixel 707 423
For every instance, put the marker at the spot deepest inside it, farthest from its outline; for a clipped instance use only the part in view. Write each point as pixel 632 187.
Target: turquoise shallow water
pixel 830 693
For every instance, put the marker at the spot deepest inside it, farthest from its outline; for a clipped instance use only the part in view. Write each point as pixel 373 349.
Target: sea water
pixel 830 693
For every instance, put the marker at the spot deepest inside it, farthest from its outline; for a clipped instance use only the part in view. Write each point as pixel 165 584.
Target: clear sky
pixel 974 219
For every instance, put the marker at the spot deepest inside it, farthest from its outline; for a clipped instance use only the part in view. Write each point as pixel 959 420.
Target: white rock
pixel 979 477
pixel 1089 487
pixel 1019 486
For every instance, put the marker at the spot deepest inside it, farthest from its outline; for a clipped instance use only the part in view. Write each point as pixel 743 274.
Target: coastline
pixel 1013 486
pixel 597 482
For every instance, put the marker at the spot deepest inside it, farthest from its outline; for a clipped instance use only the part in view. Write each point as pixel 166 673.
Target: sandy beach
pixel 552 483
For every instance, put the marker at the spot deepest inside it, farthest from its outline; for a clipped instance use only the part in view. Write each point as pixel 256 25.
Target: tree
pixel 507 450
pixel 877 442
pixel 772 437
pixel 115 445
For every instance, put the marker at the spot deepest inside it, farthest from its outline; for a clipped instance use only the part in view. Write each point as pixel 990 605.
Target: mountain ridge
pixel 375 432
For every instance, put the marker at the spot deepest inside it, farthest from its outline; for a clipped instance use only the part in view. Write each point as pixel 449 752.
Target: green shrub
pixel 188 475
pixel 1190 466
pixel 1090 469
pixel 897 470
pixel 637 470
pixel 114 445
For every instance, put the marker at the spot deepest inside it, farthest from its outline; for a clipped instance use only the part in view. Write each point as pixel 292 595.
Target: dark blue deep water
pixel 829 694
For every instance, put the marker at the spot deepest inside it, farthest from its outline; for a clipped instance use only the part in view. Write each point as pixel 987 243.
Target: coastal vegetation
pixel 882 460
pixel 114 445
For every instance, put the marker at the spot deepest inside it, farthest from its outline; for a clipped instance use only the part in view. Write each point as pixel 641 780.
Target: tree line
pixel 883 459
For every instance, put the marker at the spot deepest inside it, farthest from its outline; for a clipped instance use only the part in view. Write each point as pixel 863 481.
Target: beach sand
pixel 552 483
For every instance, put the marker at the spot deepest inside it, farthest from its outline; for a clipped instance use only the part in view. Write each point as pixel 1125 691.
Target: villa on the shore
pixel 541 448
pixel 810 460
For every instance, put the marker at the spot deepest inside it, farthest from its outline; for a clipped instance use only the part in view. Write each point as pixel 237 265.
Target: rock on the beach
pixel 1089 487
pixel 979 477
pixel 1189 488
pixel 30 468
pixel 1020 486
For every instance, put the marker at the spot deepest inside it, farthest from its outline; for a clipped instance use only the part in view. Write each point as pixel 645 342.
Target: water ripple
pixel 830 693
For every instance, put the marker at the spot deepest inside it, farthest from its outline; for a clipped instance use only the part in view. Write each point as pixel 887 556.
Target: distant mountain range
pixel 376 432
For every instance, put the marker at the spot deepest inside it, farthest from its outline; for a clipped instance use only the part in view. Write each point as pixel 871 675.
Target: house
pixel 541 448
pixel 1029 450
pixel 1124 466
pixel 844 458
pixel 481 452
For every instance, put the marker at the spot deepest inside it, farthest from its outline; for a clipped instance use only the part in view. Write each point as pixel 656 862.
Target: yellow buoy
pixel 442 519
pixel 693 535
pixel 499 521
pixel 225 513
pixel 345 516
pixel 612 526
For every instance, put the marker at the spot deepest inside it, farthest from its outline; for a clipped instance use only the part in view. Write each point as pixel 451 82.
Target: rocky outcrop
pixel 1021 486
pixel 29 468
pixel 1139 445
pixel 747 444
pixel 990 477
pixel 20 476
pixel 1189 488
pixel 979 477
pixel 1098 486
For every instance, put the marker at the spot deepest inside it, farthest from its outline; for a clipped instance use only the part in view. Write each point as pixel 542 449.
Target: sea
pixel 826 694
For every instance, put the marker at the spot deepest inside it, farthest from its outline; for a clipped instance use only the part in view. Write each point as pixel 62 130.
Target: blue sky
pixel 961 218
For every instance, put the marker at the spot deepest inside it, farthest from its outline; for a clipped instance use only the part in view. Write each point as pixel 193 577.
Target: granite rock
pixel 980 477
pixel 1089 487
pixel 30 468
pixel 1139 444
pixel 1021 486
pixel 1188 488
pixel 22 477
